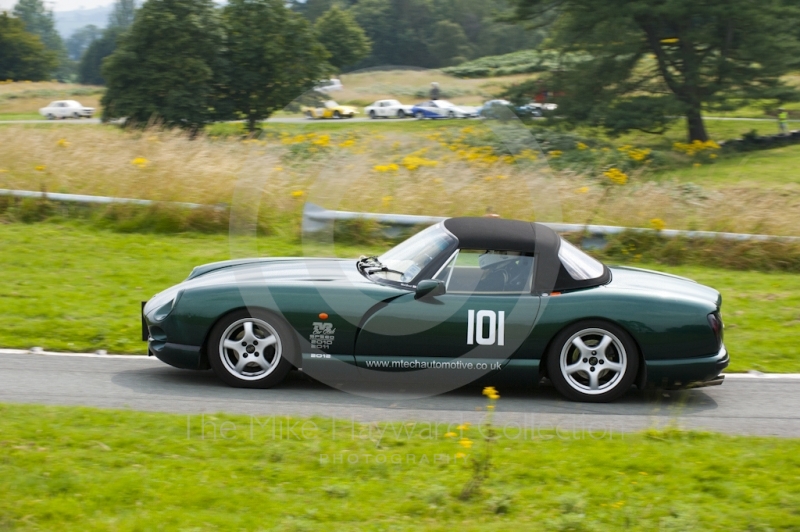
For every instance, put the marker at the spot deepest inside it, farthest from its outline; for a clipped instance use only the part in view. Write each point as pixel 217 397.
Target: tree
pixel 24 56
pixel 264 70
pixel 164 66
pixel 39 21
pixel 122 15
pixel 90 67
pixel 120 19
pixel 630 64
pixel 449 45
pixel 81 39
pixel 342 37
pixel 399 31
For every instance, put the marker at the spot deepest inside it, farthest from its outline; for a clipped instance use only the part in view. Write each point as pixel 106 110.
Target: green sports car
pixel 464 300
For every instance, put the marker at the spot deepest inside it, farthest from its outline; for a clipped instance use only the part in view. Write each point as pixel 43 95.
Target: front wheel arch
pixel 294 358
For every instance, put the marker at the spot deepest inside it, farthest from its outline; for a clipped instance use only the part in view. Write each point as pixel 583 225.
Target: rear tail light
pixel 715 321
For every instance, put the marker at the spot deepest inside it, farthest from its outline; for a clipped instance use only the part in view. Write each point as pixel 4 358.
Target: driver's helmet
pixel 493 259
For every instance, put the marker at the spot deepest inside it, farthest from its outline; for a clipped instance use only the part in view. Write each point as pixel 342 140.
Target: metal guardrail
pixel 316 218
pixel 83 198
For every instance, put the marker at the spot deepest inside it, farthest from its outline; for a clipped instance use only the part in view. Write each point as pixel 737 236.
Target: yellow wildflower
pixel 463 426
pixel 62 143
pixel 582 146
pixel 489 390
pixel 583 190
pixel 298 193
pixel 387 200
pixel 40 168
pixel 141 162
pixel 555 154
pixel 322 140
pixel 465 442
pixel 616 176
pixel 461 455
pixel 450 435
pixel 490 407
pixel 670 41
pixel 412 162
pixel 657 224
pixel 347 143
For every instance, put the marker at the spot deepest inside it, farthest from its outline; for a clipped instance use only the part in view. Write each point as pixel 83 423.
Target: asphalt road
pixel 744 404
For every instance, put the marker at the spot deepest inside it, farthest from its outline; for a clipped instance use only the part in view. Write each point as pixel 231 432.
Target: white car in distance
pixel 388 109
pixel 329 85
pixel 66 109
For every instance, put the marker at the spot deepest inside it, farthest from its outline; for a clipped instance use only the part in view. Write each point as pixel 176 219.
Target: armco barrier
pixel 316 218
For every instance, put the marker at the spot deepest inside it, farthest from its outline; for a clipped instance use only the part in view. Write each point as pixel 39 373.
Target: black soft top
pixel 502 234
pixel 529 237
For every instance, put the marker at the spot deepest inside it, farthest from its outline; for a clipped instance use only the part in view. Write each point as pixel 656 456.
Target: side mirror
pixel 429 288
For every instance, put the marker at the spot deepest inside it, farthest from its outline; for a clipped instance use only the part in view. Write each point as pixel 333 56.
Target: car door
pixel 485 317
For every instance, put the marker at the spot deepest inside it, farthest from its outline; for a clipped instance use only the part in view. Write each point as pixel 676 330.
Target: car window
pixel 408 258
pixel 488 272
pixel 578 264
pixel 330 104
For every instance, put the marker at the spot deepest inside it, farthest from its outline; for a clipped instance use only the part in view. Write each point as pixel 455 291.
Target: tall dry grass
pixel 364 171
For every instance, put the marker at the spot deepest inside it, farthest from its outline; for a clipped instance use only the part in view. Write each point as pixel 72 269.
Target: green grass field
pixel 73 288
pixel 89 469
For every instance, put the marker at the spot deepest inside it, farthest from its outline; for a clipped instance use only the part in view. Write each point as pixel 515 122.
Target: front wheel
pixel 337 114
pixel 372 115
pixel 251 349
pixel 592 361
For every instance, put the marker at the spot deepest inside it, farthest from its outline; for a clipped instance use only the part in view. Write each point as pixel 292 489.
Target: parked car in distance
pixel 388 109
pixel 329 85
pixel 330 109
pixel 443 109
pixel 66 109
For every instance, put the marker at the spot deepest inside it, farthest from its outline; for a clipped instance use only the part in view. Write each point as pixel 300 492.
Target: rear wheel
pixel 337 114
pixel 401 114
pixel 451 114
pixel 592 361
pixel 309 114
pixel 50 116
pixel 419 115
pixel 251 349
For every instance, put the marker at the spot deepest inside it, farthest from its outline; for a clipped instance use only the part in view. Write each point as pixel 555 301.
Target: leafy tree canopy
pixel 120 19
pixel 631 64
pixel 342 37
pixel 263 71
pixel 80 40
pixel 164 66
pixel 24 56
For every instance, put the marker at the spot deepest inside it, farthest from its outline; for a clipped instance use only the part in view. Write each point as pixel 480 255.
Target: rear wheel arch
pixel 552 339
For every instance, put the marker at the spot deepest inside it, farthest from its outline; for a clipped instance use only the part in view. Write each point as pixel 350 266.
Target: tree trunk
pixel 252 120
pixel 694 120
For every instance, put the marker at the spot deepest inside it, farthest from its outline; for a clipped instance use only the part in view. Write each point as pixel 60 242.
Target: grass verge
pixel 72 288
pixel 90 469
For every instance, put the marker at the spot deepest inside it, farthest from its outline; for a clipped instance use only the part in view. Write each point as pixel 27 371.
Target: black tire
pixel 51 117
pixel 419 115
pixel 372 115
pixel 253 375
pixel 576 383
pixel 309 114
pixel 337 114
pixel 451 114
pixel 401 114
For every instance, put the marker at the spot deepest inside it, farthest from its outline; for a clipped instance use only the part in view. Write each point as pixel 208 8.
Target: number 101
pixel 486 327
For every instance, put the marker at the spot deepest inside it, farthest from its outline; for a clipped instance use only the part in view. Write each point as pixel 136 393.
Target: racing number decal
pixel 483 333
